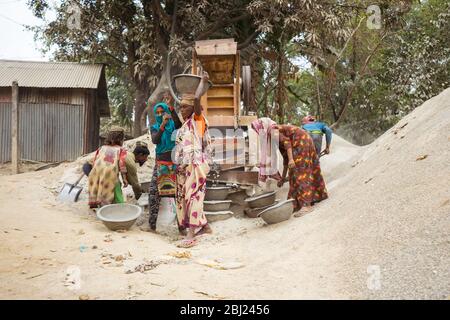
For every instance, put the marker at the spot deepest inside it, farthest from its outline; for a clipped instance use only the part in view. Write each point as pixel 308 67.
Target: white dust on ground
pixel 387 212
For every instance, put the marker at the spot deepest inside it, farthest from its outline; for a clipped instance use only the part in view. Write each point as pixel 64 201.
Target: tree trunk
pixel 280 90
pixel 140 104
pixel 255 78
pixel 152 100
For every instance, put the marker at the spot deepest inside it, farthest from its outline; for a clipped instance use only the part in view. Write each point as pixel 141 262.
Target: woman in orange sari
pixel 306 184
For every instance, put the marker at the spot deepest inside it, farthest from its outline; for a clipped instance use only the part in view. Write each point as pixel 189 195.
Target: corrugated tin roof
pixel 50 74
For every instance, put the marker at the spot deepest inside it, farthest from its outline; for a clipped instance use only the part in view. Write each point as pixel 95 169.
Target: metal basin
pixel 279 212
pixel 219 205
pixel 188 83
pixel 254 213
pixel 262 200
pixel 218 216
pixel 215 193
pixel 119 216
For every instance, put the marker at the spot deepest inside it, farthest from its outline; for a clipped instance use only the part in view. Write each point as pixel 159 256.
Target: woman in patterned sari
pixel 163 182
pixel 192 154
pixel 306 184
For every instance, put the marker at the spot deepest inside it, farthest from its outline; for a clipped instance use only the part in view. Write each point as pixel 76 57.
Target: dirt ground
pixel 382 234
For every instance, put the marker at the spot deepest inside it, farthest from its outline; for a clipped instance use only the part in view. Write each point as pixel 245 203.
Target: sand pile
pixel 393 209
pixel 384 231
pixel 339 162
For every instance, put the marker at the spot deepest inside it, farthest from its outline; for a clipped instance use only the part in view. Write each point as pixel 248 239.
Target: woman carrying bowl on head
pixel 163 182
pixel 192 155
pixel 306 184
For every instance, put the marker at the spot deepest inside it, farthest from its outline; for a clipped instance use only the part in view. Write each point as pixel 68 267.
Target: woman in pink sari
pixel 192 154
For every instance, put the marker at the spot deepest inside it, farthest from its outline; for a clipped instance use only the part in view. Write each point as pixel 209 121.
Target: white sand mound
pixel 339 162
pixel 384 231
pixel 394 210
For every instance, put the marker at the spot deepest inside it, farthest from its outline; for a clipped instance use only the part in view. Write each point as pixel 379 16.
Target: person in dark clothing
pixel 163 182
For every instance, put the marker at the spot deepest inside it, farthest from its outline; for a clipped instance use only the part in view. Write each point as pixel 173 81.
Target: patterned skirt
pixel 191 189
pixel 166 178
pixel 306 184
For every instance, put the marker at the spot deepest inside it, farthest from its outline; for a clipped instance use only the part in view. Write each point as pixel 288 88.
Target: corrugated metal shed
pixel 5 132
pixel 48 132
pixel 50 74
pixel 60 105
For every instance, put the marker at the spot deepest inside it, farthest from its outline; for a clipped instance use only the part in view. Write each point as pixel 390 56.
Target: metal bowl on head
pixel 120 216
pixel 280 212
pixel 262 200
pixel 188 83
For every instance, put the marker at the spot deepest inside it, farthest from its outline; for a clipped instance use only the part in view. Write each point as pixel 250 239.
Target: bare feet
pixel 187 243
pixel 190 234
pixel 304 210
pixel 205 230
pixel 146 228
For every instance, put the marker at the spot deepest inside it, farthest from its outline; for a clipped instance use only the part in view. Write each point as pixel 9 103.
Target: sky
pixel 16 43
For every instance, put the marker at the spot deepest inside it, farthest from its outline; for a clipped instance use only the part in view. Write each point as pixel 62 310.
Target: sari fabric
pixel 306 184
pixel 268 147
pixel 166 178
pixel 104 176
pixel 193 155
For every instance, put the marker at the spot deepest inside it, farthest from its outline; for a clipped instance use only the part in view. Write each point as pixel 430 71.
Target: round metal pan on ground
pixel 279 212
pixel 120 216
pixel 262 200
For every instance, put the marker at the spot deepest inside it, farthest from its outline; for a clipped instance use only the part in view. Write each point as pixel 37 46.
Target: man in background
pixel 316 130
pixel 138 156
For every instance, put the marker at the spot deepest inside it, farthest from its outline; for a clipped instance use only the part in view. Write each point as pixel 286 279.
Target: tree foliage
pixel 306 56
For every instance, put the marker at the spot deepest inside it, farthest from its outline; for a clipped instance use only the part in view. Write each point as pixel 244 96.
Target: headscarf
pixel 166 143
pixel 268 148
